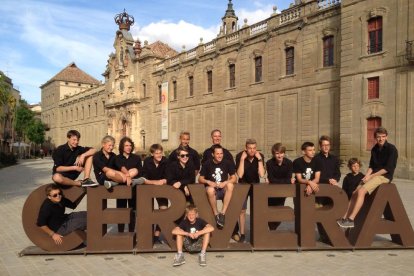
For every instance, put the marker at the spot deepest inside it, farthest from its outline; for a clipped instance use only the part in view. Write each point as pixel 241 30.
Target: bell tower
pixel 229 20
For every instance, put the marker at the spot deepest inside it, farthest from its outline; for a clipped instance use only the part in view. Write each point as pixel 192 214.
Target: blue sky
pixel 40 38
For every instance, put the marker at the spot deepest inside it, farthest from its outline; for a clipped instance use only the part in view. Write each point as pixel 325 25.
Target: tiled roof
pixel 72 73
pixel 162 50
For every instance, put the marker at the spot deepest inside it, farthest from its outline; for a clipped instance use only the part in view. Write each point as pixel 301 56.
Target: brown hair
pixel 155 147
pixel 278 147
pixel 52 187
pixel 380 130
pixel 73 132
pixel 352 161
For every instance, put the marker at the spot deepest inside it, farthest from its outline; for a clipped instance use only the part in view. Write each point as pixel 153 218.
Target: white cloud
pixel 254 16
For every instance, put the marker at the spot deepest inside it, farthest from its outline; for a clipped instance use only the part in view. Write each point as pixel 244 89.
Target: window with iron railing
pixel 290 61
pixel 232 74
pixel 375 35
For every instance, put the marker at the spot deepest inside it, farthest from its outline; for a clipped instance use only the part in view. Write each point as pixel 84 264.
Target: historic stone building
pixel 339 68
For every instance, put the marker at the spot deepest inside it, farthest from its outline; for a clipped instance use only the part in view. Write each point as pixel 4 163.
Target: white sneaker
pixel 107 184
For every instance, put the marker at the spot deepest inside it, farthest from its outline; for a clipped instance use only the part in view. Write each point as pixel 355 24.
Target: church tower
pixel 229 20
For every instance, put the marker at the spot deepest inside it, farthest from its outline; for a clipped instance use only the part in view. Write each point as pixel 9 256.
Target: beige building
pixel 339 68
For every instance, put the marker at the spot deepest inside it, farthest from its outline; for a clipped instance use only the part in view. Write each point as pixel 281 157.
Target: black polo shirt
pixel 279 174
pixel 65 156
pixel 330 167
pixel 306 169
pixel 384 157
pixel 133 161
pixel 53 214
pixel 208 155
pixel 177 173
pixel 217 172
pixel 194 157
pixel 251 168
pixel 100 161
pixel 151 171
pixel 351 182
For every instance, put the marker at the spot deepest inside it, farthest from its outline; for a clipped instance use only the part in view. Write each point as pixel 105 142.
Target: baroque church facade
pixel 320 67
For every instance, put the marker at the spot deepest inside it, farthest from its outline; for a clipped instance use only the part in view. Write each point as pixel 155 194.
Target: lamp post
pixel 143 138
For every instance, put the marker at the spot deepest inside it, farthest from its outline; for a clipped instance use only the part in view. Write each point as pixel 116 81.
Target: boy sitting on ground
pixel 194 234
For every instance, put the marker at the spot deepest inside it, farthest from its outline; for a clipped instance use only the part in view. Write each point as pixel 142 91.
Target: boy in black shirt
pixel 219 177
pixel 194 234
pixel 70 160
pixel 279 171
pixel 354 178
pixel 52 218
pixel 380 171
pixel 180 173
pixel 307 169
pixel 250 168
pixel 193 154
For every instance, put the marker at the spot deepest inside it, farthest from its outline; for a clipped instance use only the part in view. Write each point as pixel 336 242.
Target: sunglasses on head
pixel 56 195
pixel 183 155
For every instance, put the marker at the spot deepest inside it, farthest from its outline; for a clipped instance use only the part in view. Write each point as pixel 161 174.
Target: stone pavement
pixel 18 181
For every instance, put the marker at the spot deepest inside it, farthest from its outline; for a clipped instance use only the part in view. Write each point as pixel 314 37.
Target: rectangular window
pixel 144 90
pixel 258 69
pixel 191 85
pixel 290 61
pixel 232 71
pixel 375 35
pixel 372 124
pixel 174 90
pixel 209 81
pixel 328 51
pixel 373 88
pixel 159 93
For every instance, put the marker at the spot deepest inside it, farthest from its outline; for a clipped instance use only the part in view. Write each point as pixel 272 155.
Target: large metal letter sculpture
pixel 383 201
pixel 147 216
pixel 30 214
pixel 262 214
pixel 99 216
pixel 326 216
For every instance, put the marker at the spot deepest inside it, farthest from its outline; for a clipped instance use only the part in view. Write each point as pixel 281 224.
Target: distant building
pixel 7 115
pixel 326 67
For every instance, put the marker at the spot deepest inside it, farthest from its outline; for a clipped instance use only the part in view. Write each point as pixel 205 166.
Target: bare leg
pixel 206 240
pixel 211 193
pixel 227 197
pixel 180 241
pixel 87 167
pixel 242 222
pixel 358 203
pixel 351 203
pixel 60 179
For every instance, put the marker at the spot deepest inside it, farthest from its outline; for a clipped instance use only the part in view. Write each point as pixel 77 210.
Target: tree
pixel 36 132
pixel 24 118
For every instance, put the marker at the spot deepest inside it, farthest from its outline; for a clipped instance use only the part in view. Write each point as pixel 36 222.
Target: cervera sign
pixel 383 213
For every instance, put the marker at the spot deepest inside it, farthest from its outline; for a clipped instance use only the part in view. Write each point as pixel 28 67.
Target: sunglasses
pixel 184 155
pixel 56 195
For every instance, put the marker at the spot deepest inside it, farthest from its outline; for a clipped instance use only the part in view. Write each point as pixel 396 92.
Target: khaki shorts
pixel 374 182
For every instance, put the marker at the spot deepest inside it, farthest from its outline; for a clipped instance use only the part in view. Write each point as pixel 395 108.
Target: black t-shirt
pixel 100 161
pixel 151 171
pixel 251 168
pixel 198 225
pixel 176 173
pixel 194 157
pixel 330 167
pixel 65 156
pixel 384 158
pixel 351 182
pixel 279 174
pixel 208 155
pixel 217 172
pixel 133 161
pixel 307 170
pixel 53 214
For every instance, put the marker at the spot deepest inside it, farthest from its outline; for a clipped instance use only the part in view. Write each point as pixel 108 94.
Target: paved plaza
pixel 18 181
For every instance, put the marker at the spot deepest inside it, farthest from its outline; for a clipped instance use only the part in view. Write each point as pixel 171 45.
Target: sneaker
pixel 157 240
pixel 179 259
pixel 347 223
pixel 87 182
pixel 242 238
pixel 220 218
pixel 202 259
pixel 108 184
pixel 340 221
pixel 138 181
pixel 235 237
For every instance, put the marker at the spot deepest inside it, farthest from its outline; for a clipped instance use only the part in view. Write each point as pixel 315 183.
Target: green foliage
pixel 36 132
pixel 5 93
pixel 24 118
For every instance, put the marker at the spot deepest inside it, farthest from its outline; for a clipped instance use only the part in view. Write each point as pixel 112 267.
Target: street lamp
pixel 143 138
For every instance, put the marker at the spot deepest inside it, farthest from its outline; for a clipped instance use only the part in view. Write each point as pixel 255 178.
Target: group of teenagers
pixel 217 171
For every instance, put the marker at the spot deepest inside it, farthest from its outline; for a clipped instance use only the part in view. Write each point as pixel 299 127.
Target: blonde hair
pixel 108 138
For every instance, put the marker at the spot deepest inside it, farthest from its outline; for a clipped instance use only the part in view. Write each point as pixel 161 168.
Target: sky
pixel 38 38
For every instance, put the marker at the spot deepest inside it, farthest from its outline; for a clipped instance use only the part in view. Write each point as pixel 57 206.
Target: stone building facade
pixel 326 67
